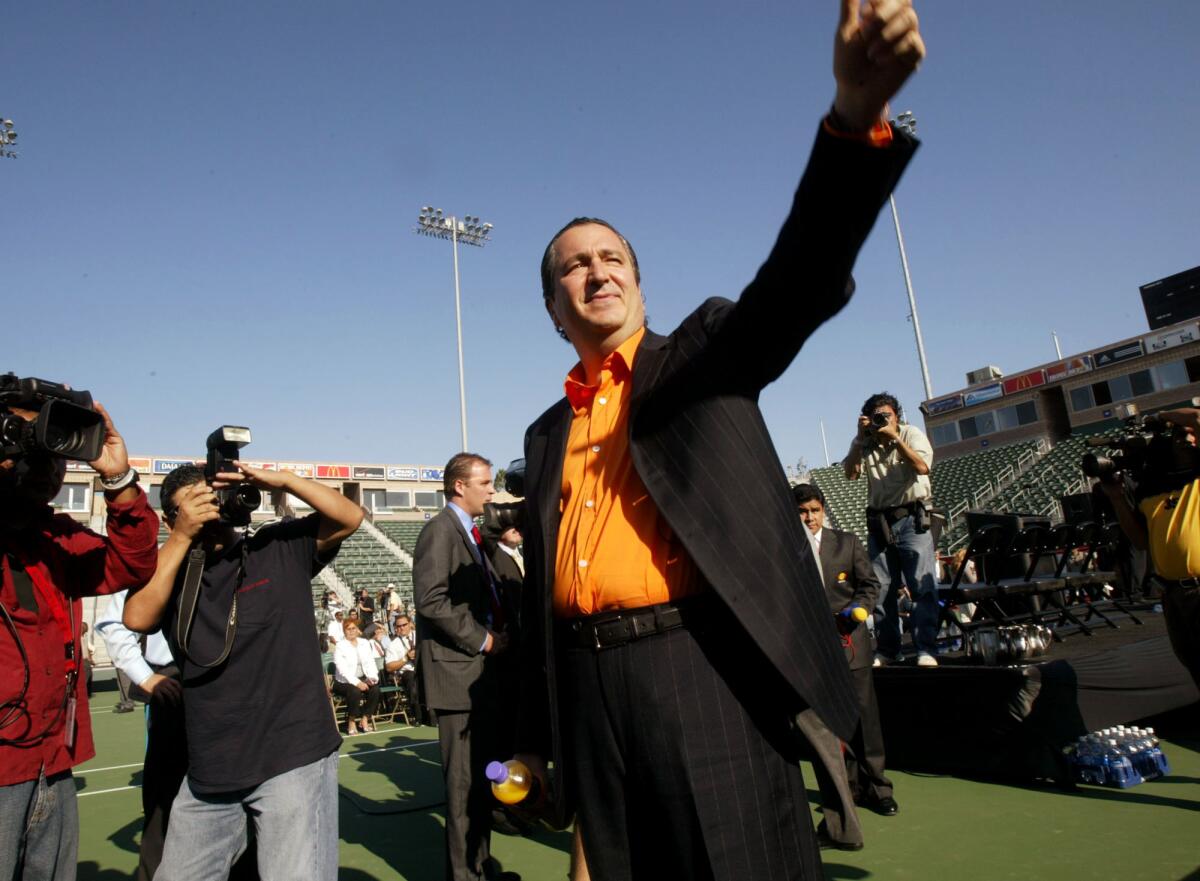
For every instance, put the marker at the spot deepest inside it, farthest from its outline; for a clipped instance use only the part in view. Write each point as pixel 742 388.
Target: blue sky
pixel 211 219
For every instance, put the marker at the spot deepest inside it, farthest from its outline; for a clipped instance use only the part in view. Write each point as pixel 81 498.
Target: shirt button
pixel 583 564
pixel 596 448
pixel 602 400
pixel 589 504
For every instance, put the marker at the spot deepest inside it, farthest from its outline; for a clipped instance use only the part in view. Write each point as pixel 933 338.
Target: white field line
pixel 365 752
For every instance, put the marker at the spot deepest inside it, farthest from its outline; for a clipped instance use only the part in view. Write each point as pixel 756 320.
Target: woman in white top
pixel 356 677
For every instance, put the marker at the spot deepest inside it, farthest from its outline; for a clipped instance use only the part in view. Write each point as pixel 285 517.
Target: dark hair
pixel 369 630
pixel 184 475
pixel 549 257
pixel 807 492
pixel 459 468
pixel 874 402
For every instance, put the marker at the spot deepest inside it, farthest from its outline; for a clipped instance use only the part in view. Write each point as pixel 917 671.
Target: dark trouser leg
pixel 165 767
pixel 466 745
pixel 865 756
pixel 353 697
pixel 1181 605
pixel 683 755
pixel 837 802
pixel 371 700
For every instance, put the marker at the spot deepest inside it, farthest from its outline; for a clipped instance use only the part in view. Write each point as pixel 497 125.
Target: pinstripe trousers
pixel 685 760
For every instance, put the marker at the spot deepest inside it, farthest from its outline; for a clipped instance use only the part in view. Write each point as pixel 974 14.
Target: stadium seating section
pixel 1025 477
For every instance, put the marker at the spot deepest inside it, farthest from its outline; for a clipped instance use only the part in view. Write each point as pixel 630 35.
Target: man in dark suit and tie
pixel 850 581
pixel 674 623
pixel 462 628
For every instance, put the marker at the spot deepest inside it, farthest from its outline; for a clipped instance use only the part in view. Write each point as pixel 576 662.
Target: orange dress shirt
pixel 615 551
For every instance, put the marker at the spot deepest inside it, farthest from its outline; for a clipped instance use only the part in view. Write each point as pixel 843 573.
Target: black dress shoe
pixel 885 807
pixel 827 843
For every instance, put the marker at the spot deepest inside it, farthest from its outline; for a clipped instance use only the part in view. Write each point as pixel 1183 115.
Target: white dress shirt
pixel 335 631
pixel 398 651
pixel 124 646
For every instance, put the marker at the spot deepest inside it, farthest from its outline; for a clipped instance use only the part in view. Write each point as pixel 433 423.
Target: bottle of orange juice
pixel 512 783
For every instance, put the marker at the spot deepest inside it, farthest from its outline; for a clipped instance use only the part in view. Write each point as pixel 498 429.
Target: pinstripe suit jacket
pixel 453 601
pixel 702 449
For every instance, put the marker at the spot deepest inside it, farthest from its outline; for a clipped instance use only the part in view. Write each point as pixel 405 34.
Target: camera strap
pixel 189 597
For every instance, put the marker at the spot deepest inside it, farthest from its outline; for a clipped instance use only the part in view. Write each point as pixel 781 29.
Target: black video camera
pixel 235 503
pixel 1154 453
pixel 879 420
pixel 66 425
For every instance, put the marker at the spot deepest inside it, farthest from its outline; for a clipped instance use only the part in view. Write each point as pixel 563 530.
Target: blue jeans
pixel 39 829
pixel 295 821
pixel 911 560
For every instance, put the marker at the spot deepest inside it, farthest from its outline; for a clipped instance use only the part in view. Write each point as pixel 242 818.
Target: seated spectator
pixel 336 632
pixel 377 635
pixel 356 678
pixel 401 658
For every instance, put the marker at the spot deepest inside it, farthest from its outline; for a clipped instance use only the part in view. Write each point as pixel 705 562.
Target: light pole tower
pixel 433 222
pixel 8 139
pixel 907 123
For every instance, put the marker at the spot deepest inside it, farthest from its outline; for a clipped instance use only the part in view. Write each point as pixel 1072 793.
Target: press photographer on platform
pixel 1153 482
pixel 47 562
pixel 238 612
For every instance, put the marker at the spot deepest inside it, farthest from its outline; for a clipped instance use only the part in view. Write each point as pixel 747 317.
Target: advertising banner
pixel 263 466
pixel 298 470
pixel 1069 367
pixel 403 472
pixel 1025 381
pixel 166 466
pixel 1123 352
pixel 333 471
pixel 944 405
pixel 984 393
pixel 369 472
pixel 1189 333
pixel 434 474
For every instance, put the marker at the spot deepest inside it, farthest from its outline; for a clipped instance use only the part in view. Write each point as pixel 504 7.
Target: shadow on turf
pixel 91 871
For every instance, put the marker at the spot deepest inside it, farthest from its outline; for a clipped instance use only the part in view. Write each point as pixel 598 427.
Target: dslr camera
pixel 879 420
pixel 66 425
pixel 1152 452
pixel 234 503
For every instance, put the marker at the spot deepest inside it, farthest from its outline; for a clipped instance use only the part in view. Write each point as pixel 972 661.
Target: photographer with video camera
pixel 1153 483
pixel 47 562
pixel 238 611
pixel 897 459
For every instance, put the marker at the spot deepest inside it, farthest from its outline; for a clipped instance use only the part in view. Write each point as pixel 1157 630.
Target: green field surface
pixel 947 827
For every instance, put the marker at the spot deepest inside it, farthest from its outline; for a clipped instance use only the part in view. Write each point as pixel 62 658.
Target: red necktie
pixel 497 609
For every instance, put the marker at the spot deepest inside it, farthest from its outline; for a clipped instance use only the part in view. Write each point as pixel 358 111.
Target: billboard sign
pixel 403 472
pixel 369 472
pixel 336 472
pixel 166 466
pixel 434 474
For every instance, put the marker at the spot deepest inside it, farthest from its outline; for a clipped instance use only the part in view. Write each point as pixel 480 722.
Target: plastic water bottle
pixel 1118 768
pixel 512 782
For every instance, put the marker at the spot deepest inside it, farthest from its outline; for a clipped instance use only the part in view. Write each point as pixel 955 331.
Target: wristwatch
pixel 116 484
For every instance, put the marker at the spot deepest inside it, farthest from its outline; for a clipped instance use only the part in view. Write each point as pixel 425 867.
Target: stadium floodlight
pixel 907 123
pixel 8 139
pixel 433 222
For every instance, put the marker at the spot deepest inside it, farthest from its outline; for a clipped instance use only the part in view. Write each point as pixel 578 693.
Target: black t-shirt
pixel 265 710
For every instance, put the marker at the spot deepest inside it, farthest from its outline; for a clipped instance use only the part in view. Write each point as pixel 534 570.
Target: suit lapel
pixel 647 365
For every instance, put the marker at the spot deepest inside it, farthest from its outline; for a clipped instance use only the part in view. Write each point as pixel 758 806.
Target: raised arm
pixel 340 517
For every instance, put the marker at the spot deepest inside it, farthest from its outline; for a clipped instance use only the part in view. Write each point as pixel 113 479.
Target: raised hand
pixel 877 47
pixel 114 459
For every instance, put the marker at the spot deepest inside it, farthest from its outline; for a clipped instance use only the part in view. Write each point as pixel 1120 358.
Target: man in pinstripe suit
pixel 659 513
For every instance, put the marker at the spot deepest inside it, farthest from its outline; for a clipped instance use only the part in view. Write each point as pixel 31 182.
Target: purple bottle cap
pixel 497 772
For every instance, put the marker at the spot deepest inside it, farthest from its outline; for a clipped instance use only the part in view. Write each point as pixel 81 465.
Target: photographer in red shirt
pixel 47 562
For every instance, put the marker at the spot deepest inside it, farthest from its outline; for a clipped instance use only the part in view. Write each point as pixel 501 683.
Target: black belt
pixel 893 514
pixel 610 629
pixel 1182 582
